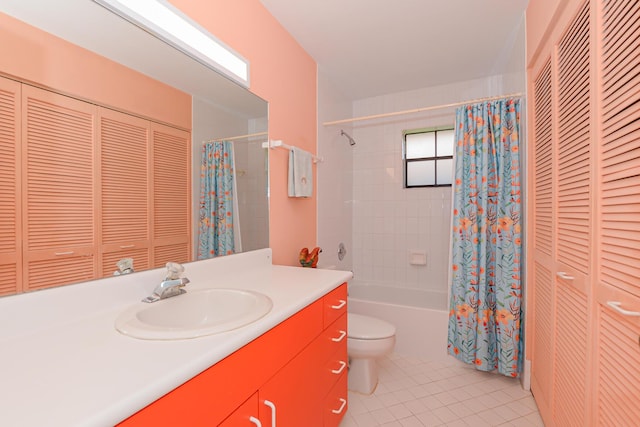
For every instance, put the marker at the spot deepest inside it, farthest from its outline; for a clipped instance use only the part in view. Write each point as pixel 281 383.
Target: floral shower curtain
pixel 485 321
pixel 216 225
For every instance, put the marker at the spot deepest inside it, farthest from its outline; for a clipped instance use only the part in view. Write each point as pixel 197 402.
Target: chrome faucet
pixel 171 286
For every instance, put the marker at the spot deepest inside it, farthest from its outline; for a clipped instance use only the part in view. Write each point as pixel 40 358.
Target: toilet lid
pixel 368 328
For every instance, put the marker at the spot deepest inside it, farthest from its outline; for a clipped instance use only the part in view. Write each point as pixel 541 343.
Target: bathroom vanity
pixel 294 374
pixel 65 364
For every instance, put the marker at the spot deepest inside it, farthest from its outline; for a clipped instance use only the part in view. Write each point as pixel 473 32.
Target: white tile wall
pixel 335 178
pixel 388 221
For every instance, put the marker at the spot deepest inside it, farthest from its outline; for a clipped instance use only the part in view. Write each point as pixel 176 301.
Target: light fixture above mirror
pixel 164 21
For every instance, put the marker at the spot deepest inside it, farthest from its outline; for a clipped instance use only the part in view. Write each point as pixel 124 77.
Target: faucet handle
pixel 125 266
pixel 174 270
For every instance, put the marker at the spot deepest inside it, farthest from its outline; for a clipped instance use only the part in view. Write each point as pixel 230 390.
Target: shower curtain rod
pixel 418 110
pixel 234 138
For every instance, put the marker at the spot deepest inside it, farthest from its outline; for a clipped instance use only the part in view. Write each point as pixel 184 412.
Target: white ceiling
pixel 375 47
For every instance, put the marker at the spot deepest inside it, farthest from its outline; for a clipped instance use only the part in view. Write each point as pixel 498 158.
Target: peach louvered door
pixel 125 196
pixel 596 209
pixel 618 279
pixel 618 370
pixel 171 154
pixel 543 291
pixel 573 222
pixel 58 136
pixel 10 201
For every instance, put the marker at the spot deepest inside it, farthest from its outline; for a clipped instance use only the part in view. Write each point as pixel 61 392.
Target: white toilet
pixel 368 339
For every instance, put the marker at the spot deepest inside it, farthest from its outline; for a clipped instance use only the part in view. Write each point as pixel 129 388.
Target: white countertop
pixel 62 363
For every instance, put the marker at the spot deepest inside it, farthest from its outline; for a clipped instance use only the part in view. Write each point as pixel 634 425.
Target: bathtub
pixel 420 317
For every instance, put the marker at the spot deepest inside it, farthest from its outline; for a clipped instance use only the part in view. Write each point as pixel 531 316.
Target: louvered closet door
pixel 543 291
pixel 10 202
pixel 171 194
pixel 618 364
pixel 125 196
pixel 573 223
pixel 58 190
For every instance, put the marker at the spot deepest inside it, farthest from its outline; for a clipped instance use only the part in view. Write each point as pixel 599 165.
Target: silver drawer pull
pixel 272 405
pixel 339 306
pixel 127 246
pixel 341 337
pixel 341 408
pixel 616 305
pixel 338 371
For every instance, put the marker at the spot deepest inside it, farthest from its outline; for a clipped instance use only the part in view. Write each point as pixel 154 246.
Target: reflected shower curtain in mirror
pixel 485 320
pixel 218 201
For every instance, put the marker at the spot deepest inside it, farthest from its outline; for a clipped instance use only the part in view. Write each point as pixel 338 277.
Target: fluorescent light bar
pixel 164 21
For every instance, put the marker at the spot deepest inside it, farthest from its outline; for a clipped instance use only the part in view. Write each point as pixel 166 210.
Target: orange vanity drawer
pixel 335 404
pixel 335 304
pixel 336 352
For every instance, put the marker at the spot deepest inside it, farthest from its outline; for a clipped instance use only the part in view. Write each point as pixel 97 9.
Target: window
pixel 428 157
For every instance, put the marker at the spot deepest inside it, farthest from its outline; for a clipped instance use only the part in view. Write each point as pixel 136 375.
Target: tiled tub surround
pixel 62 355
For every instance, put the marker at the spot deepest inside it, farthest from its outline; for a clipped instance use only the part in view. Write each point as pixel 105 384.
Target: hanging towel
pixel 300 173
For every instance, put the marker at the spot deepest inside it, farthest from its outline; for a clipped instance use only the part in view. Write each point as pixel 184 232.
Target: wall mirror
pixel 221 109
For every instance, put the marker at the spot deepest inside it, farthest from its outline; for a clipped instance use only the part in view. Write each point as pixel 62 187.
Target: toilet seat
pixel 368 328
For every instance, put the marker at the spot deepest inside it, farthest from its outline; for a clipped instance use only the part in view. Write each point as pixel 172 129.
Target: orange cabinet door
pixel 245 416
pixel 293 398
pixel 335 404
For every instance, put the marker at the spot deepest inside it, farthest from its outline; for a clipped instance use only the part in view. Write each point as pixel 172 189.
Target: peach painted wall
pixel 540 15
pixel 37 57
pixel 282 73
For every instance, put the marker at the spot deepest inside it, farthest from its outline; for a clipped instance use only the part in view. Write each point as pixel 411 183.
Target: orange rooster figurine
pixel 309 259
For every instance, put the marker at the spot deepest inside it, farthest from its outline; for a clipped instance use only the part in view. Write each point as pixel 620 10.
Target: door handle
pixel 564 276
pixel 617 306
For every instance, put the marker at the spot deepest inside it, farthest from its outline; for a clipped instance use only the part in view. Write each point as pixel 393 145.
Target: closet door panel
pixel 171 154
pixel 125 196
pixel 10 200
pixel 178 252
pixel 58 135
pixel 543 163
pixel 543 290
pixel 620 151
pixel 570 358
pixel 573 198
pixel 543 336
pixel 618 281
pixel 573 216
pixel 617 370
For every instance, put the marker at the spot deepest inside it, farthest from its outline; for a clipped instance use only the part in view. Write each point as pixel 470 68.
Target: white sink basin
pixel 193 314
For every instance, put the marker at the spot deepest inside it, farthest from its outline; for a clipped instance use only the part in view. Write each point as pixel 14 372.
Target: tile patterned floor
pixel 418 393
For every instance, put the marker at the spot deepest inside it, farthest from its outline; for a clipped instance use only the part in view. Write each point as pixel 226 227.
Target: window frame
pixel 435 158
